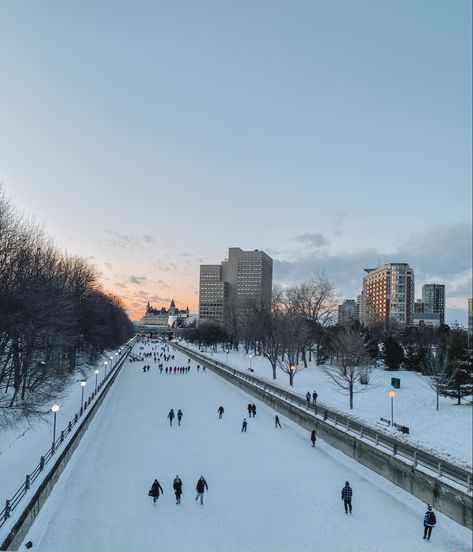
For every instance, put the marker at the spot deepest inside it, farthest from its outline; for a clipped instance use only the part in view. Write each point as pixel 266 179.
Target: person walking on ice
pixel 276 421
pixel 155 488
pixel 250 409
pixel 179 416
pixel 347 493
pixel 429 522
pixel 220 411
pixel 313 437
pixel 244 425
pixel 177 486
pixel 253 410
pixel 200 488
pixel 171 416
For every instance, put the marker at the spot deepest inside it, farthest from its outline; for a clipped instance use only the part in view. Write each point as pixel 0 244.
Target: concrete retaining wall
pixel 25 521
pixel 452 502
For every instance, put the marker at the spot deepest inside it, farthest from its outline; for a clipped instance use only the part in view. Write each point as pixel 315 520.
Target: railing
pixel 12 503
pixel 418 457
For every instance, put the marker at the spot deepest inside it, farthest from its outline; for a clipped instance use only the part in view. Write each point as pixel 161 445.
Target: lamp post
pixel 226 360
pixel 55 409
pixel 96 376
pixel 105 365
pixel 251 356
pixel 82 383
pixel 111 363
pixel 292 369
pixel 392 395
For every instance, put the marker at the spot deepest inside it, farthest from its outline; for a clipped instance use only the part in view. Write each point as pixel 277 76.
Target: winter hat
pixel 429 507
pixel 346 483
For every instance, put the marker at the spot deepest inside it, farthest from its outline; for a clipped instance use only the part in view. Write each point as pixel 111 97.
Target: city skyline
pixel 151 139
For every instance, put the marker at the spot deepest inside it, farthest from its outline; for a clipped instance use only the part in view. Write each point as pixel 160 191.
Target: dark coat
pixel 171 414
pixel 312 435
pixel 347 492
pixel 177 486
pixel 155 488
pixel 429 519
pixel 201 485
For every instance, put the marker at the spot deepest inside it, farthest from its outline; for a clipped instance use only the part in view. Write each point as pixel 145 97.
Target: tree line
pixel 54 316
pixel 300 326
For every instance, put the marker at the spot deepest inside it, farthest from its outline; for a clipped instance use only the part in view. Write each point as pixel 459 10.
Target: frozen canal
pixel 268 488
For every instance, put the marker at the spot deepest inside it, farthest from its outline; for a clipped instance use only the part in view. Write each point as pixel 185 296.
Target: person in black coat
pixel 253 409
pixel 313 437
pixel 171 416
pixel 220 411
pixel 307 398
pixel 177 486
pixel 179 416
pixel 250 410
pixel 429 522
pixel 200 488
pixel 277 423
pixel 155 488
pixel 347 493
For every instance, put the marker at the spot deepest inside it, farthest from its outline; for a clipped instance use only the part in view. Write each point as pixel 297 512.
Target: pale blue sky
pixel 204 125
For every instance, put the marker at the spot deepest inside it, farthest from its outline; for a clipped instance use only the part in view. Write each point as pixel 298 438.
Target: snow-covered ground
pixel 22 445
pixel 446 432
pixel 268 488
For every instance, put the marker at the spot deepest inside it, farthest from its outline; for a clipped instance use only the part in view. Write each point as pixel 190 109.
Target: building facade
pixel 228 290
pixel 433 299
pixel 347 312
pixel 389 294
pixel 164 317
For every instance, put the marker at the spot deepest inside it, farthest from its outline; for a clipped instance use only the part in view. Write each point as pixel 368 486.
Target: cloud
pixel 311 240
pixel 137 279
pixel 127 241
pixel 441 254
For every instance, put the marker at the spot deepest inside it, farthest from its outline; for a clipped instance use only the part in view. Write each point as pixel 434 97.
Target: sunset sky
pixel 150 136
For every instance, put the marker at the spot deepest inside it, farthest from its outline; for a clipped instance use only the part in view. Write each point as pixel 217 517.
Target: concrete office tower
pixel 389 294
pixel 346 312
pixel 433 297
pixel 227 290
pixel 360 310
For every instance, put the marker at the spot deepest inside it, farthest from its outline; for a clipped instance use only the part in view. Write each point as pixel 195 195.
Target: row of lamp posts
pixel 55 407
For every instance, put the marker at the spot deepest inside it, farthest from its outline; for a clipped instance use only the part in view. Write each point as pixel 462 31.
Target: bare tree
pixel 439 371
pixel 354 355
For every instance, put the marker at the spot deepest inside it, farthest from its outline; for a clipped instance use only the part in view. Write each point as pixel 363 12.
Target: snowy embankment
pixel 447 433
pixel 268 489
pixel 22 445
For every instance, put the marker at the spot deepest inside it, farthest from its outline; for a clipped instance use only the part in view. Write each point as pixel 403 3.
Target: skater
pixel 313 437
pixel 307 398
pixel 179 416
pixel 276 421
pixel 250 410
pixel 253 410
pixel 177 486
pixel 154 491
pixel 346 497
pixel 200 488
pixel 171 416
pixel 220 411
pixel 198 367
pixel 429 522
pixel 144 368
pixel 244 425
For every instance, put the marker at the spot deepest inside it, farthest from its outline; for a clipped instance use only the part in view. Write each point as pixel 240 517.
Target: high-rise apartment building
pixel 433 298
pixel 346 312
pixel 360 311
pixel 227 290
pixel 389 294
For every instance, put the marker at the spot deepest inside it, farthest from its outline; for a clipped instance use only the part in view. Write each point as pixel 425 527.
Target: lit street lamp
pixel 105 365
pixel 251 356
pixel 96 376
pixel 111 363
pixel 292 369
pixel 392 395
pixel 55 409
pixel 82 383
pixel 227 355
